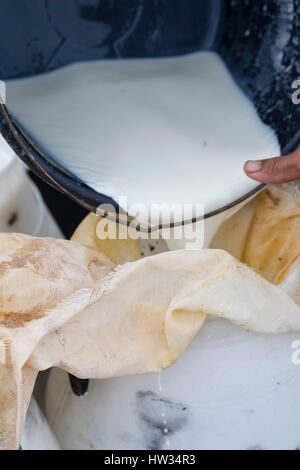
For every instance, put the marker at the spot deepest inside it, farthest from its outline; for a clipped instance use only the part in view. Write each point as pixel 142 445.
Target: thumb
pixel 275 170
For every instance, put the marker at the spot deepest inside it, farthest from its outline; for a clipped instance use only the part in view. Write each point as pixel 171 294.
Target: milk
pixel 155 131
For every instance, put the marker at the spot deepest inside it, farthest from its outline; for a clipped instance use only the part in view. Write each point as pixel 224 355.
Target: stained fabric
pixel 67 305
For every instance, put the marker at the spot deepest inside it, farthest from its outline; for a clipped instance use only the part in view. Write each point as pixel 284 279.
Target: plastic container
pixel 37 434
pixel 258 41
pixel 22 208
pixel 229 390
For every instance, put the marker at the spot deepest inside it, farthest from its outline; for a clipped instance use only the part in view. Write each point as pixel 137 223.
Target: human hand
pixel 275 170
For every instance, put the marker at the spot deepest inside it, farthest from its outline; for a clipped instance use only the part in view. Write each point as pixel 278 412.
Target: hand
pixel 275 170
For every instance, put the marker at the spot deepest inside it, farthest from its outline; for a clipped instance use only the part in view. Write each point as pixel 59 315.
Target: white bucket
pixel 229 390
pixel 22 208
pixel 36 433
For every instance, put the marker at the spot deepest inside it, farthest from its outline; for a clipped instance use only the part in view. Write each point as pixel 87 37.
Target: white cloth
pixel 65 305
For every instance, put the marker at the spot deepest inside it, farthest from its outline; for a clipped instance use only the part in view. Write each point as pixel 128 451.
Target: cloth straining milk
pixel 66 305
pixel 157 131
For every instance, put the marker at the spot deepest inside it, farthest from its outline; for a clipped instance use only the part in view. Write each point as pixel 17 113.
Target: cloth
pixel 265 234
pixel 66 305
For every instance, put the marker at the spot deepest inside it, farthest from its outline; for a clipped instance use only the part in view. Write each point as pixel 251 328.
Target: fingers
pixel 275 170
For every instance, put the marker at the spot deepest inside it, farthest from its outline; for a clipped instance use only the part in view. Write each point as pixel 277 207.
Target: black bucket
pixel 258 40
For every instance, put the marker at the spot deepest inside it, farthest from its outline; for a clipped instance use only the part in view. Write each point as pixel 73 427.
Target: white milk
pixel 165 131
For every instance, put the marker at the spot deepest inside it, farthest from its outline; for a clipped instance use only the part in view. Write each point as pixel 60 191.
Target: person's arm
pixel 275 170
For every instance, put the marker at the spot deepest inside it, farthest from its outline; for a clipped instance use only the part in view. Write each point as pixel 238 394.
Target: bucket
pixel 230 390
pixel 258 42
pixel 22 208
pixel 36 433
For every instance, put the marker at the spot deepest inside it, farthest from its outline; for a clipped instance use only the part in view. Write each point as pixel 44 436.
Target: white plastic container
pixel 229 390
pixel 22 208
pixel 36 433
